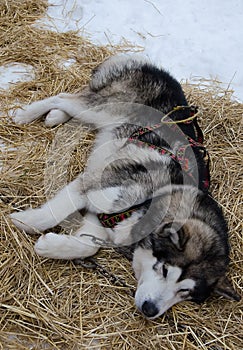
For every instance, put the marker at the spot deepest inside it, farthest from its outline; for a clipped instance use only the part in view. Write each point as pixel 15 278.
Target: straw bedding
pixel 48 304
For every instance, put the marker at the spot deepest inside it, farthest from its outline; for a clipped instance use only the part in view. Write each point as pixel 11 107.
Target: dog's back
pixel 136 80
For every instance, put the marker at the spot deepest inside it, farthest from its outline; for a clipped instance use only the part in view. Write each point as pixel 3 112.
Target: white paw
pixel 21 116
pixel 56 117
pixel 47 244
pixel 30 220
pixel 56 246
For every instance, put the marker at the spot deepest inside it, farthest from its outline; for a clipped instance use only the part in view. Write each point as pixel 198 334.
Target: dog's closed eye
pixel 183 290
pixel 165 270
pixel 161 268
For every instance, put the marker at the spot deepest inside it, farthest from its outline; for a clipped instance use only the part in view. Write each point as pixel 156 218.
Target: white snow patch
pixel 14 73
pixel 189 38
pixel 62 16
pixel 67 63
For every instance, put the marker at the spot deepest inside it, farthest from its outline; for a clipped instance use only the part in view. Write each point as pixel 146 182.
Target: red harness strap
pixel 111 220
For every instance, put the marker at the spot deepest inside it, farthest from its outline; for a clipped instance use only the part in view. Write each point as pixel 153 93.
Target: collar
pixel 111 220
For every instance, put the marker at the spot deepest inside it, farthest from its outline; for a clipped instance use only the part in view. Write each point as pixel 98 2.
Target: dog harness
pixel 111 220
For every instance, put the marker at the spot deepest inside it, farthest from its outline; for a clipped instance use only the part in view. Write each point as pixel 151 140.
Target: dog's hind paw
pixel 22 116
pixel 29 113
pixel 56 117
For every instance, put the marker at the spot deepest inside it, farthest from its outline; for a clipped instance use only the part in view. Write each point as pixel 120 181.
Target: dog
pixel 145 186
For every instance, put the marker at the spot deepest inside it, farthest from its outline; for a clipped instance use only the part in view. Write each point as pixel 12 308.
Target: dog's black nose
pixel 149 309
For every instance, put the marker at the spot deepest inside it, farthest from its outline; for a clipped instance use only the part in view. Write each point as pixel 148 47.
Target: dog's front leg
pixel 70 199
pixel 84 243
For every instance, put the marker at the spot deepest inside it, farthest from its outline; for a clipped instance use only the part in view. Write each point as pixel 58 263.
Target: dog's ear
pixel 176 234
pixel 225 288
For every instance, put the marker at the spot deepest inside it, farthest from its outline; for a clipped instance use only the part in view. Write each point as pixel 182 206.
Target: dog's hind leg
pixel 56 117
pixel 64 203
pixel 84 243
pixel 84 107
pixel 69 104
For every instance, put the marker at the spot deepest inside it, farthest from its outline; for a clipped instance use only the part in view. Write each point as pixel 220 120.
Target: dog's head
pixel 180 261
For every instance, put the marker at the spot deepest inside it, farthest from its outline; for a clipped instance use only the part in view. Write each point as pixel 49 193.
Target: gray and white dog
pixel 145 186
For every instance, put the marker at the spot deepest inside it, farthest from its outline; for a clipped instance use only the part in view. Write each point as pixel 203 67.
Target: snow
pixel 15 72
pixel 190 38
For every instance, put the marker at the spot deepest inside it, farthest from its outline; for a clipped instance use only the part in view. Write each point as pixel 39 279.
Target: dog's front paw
pixel 54 246
pixel 21 220
pixel 46 244
pixel 29 220
pixel 61 246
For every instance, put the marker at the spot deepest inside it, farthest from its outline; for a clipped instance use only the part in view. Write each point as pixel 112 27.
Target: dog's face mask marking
pixel 176 268
pixel 159 287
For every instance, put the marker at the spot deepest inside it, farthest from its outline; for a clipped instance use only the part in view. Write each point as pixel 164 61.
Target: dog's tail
pixel 115 68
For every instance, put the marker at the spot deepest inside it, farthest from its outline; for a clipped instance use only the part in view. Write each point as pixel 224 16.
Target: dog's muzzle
pixel 149 309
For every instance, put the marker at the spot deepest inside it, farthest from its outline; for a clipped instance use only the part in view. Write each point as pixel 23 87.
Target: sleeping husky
pixel 146 186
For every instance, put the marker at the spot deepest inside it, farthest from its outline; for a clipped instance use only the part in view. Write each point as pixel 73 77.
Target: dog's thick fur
pixel 179 238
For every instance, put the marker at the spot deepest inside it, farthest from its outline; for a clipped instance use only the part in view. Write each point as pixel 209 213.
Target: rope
pixel 178 108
